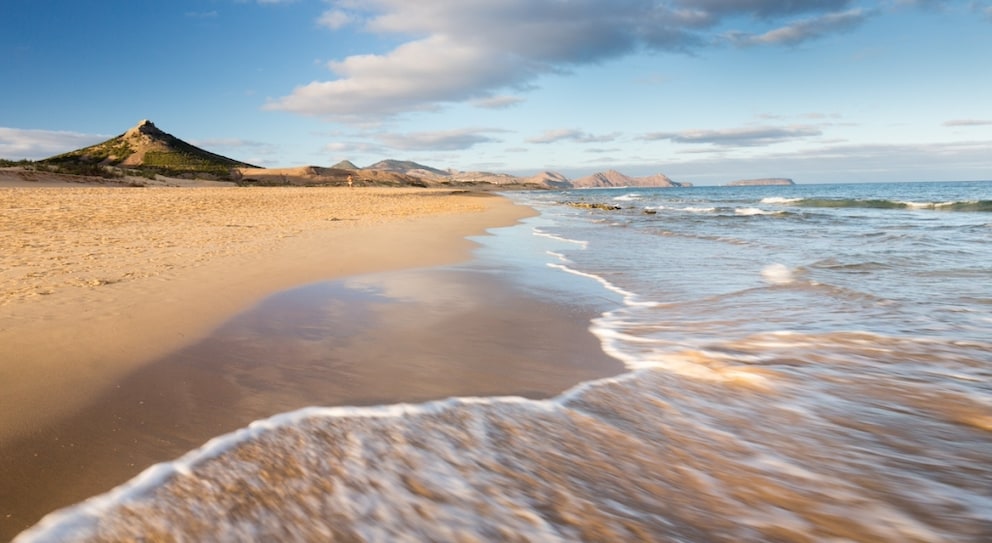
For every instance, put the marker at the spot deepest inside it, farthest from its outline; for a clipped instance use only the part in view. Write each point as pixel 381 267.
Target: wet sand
pixel 404 337
pixel 113 355
pixel 95 282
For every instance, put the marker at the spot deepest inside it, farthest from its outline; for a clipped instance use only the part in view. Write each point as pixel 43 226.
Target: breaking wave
pixel 648 456
pixel 963 206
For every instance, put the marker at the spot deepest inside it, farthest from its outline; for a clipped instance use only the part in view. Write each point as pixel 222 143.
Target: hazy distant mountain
pixel 552 180
pixel 345 165
pixel 405 166
pixel 455 176
pixel 613 178
pixel 146 147
pixel 318 176
pixel 760 182
pixel 658 180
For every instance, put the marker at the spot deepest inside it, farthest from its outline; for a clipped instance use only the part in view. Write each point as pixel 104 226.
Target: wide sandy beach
pixel 106 293
pixel 95 281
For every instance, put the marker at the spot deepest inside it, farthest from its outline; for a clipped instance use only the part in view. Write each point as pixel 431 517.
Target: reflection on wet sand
pixel 401 337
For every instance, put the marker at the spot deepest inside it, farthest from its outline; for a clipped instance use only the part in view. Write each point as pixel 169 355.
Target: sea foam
pixel 649 455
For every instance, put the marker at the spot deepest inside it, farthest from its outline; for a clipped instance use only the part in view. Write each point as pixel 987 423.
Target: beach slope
pixel 95 282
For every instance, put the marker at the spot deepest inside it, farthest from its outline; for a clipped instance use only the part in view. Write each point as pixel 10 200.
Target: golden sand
pixel 96 281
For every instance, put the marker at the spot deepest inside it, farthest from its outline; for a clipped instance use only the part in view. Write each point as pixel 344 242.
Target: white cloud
pixel 354 147
pixel 442 140
pixel 473 49
pixel 414 76
pixel 969 122
pixel 738 137
pixel 833 163
pixel 804 30
pixel 497 102
pixel 334 19
pixel 570 134
pixel 19 143
pixel 763 8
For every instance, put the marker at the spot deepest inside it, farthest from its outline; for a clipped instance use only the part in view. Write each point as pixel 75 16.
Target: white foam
pixel 543 234
pixel 751 211
pixel 67 524
pixel 630 298
pixel 777 274
pixel 779 200
pixel 491 468
pixel 628 197
pixel 559 256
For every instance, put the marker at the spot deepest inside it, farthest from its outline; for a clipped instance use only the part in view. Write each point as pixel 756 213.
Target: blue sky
pixel 705 91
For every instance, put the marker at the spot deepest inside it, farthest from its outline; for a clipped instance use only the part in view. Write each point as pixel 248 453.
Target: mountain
pixel 406 166
pixel 658 180
pixel 613 178
pixel 145 146
pixel 761 182
pixel 345 165
pixel 318 176
pixel 551 180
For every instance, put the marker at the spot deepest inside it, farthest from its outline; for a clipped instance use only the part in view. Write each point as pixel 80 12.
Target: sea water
pixel 806 363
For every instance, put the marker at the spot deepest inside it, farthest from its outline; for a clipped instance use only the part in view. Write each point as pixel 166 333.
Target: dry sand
pixel 95 282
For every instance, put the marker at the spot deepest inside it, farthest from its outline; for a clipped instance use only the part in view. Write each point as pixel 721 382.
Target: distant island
pixel 763 182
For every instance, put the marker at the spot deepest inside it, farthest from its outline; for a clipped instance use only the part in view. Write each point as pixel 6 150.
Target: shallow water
pixel 808 363
pixel 408 336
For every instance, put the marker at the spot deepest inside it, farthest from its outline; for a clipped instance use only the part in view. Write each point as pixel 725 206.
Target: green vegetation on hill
pixel 109 152
pixel 144 150
pixel 5 163
pixel 172 163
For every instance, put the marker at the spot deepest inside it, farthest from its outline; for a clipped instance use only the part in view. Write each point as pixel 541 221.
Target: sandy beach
pixel 95 282
pixel 119 350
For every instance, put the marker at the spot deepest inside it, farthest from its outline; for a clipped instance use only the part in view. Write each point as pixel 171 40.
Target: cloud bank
pixel 738 137
pixel 442 140
pixel 17 143
pixel 571 134
pixel 803 30
pixel 476 50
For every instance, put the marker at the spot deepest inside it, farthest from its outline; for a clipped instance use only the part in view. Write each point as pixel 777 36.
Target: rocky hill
pixel 406 167
pixel 318 176
pixel 345 165
pixel 146 147
pixel 551 180
pixel 613 178
pixel 145 150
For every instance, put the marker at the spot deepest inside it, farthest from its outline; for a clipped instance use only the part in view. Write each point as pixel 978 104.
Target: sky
pixel 704 91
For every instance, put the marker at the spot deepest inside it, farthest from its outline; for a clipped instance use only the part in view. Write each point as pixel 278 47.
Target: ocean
pixel 804 363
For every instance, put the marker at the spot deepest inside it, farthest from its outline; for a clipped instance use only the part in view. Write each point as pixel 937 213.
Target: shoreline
pixel 117 377
pixel 402 337
pixel 128 275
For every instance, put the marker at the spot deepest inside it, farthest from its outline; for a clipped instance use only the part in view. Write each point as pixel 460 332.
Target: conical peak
pixel 145 127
